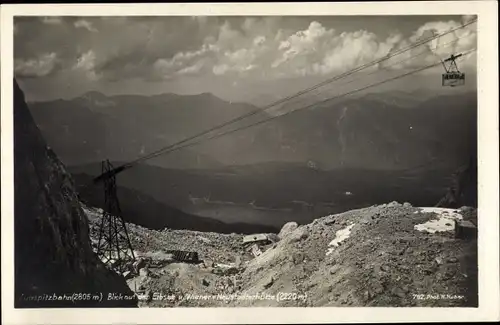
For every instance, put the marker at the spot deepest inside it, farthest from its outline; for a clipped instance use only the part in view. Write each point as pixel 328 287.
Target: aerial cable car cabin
pixel 452 77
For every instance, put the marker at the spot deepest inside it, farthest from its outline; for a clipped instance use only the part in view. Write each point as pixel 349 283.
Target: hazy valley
pixel 356 152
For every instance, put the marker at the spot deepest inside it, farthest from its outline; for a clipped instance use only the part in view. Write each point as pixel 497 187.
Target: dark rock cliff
pixel 54 263
pixel 463 190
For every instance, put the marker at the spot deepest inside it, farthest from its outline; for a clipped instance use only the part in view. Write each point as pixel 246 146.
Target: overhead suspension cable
pixel 267 107
pixel 302 108
pixel 326 82
pixel 400 62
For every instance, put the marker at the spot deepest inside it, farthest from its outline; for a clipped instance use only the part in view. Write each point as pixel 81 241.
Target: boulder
pixel 127 275
pixel 144 272
pixel 466 209
pixel 330 220
pixel 297 257
pixel 287 228
pixel 366 220
pixel 225 270
pixel 208 263
pixel 465 229
pixel 238 262
pixel 139 264
pixel 393 204
pixel 299 234
pixel 269 282
pixel 204 240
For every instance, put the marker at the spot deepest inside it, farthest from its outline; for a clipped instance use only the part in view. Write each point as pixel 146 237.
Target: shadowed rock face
pixel 463 189
pixel 53 255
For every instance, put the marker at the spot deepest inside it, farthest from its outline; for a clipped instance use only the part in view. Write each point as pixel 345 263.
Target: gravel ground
pixel 367 257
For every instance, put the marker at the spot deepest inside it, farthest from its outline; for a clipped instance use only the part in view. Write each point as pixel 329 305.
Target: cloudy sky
pixel 236 58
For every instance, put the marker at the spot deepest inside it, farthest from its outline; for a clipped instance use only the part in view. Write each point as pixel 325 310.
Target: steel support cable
pixel 267 107
pixel 302 108
pixel 397 62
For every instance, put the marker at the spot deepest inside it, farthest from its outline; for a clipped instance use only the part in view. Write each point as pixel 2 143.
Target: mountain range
pixel 380 131
pixel 328 158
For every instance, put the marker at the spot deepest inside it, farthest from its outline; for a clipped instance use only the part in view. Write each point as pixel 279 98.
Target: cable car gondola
pixel 453 77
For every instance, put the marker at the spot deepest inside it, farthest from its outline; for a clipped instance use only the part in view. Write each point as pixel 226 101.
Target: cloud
pixel 86 63
pixel 51 20
pixel 82 23
pixel 252 48
pixel 141 45
pixel 320 51
pixel 202 20
pixel 455 40
pixel 41 67
pixel 193 69
pixel 439 40
pixel 468 18
pixel 249 51
pixel 226 51
pixel 185 63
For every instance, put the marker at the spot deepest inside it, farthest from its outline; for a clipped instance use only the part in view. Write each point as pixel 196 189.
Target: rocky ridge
pixel 386 255
pixel 53 255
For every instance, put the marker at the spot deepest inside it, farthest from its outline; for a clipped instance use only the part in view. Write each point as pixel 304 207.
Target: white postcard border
pixel 488 223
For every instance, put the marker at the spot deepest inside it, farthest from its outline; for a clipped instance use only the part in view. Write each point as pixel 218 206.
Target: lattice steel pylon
pixel 114 247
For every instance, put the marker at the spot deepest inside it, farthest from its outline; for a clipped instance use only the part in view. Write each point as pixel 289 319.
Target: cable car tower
pixel 453 77
pixel 114 247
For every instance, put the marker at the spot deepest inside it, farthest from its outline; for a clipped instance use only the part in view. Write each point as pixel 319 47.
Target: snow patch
pixel 438 210
pixel 445 221
pixel 340 236
pixel 225 266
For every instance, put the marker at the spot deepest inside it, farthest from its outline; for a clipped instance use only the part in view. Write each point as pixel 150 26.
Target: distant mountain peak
pixel 208 95
pixel 94 94
pixel 166 95
pixel 97 99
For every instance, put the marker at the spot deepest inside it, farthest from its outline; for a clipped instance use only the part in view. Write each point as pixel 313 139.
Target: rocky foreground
pixel 54 264
pixel 386 255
